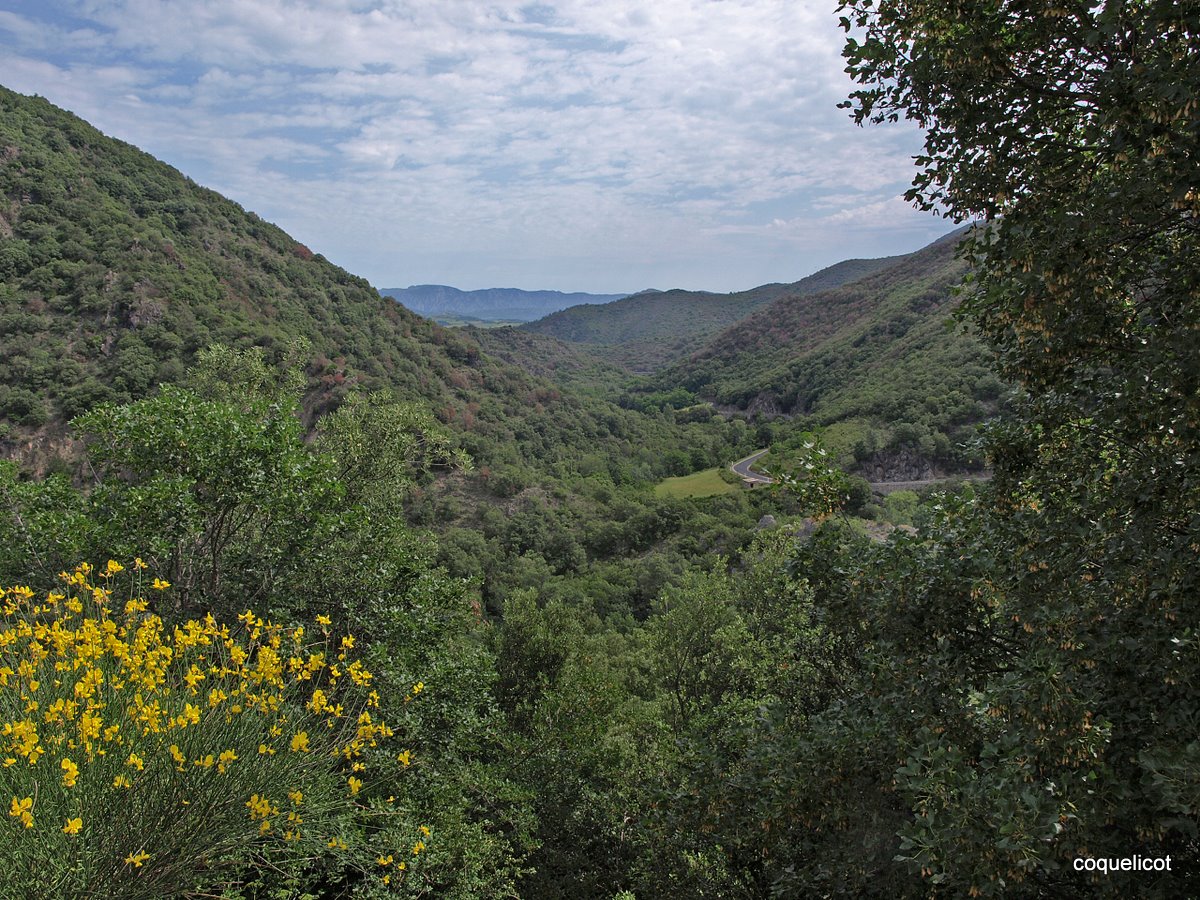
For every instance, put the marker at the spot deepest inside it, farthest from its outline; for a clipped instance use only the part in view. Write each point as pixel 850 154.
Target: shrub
pixel 141 761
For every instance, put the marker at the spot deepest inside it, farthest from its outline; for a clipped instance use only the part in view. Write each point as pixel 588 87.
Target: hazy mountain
pixel 490 304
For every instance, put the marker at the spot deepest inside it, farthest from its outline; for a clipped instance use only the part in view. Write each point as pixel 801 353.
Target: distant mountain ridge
pixel 651 329
pixel 490 304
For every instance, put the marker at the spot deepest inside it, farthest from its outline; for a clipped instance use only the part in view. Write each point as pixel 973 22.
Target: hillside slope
pixel 648 330
pixel 115 270
pixel 570 365
pixel 881 350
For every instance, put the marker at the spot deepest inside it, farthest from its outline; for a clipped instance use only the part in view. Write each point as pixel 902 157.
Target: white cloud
pixel 400 135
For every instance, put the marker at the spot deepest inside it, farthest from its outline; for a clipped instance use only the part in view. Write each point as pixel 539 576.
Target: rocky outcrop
pixel 39 451
pixel 766 405
pixel 899 464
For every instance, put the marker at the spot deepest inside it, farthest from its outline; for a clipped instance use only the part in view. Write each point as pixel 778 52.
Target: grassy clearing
pixel 707 483
pixel 452 321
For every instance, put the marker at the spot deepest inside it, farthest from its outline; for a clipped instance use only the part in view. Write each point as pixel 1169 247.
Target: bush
pixel 142 762
pixel 900 507
pixel 858 494
pixel 22 406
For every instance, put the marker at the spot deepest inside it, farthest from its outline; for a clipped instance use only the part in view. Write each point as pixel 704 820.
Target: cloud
pixel 397 135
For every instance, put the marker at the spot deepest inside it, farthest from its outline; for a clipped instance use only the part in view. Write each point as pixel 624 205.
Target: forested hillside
pixel 647 330
pixel 884 350
pixel 563 362
pixel 116 270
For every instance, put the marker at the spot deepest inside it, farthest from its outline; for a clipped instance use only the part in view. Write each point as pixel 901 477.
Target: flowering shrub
pixel 139 760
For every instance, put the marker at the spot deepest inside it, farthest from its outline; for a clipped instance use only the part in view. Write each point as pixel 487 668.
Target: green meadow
pixel 706 483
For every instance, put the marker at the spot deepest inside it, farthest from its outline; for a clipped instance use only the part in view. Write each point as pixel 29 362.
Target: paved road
pixel 890 487
pixel 741 469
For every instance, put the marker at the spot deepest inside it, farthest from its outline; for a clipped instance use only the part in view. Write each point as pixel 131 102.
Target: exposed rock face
pixel 37 450
pixel 899 464
pixel 764 405
pixel 767 521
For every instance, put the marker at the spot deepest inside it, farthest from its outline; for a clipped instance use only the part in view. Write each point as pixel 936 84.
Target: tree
pixel 214 487
pixel 1071 130
pixel 1066 720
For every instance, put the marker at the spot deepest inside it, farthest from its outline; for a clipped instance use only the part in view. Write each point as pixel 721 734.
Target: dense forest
pixel 307 596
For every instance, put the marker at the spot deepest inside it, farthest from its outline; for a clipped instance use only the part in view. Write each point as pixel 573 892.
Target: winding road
pixel 742 470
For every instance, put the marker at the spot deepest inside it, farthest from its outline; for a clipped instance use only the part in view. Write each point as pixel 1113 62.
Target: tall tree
pixel 1066 649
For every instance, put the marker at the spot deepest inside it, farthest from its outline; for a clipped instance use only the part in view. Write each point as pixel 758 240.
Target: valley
pixel 878 583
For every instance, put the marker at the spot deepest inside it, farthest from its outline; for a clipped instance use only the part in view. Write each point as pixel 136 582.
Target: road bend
pixel 742 470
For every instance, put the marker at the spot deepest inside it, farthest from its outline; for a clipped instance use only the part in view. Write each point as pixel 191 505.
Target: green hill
pixel 116 269
pixel 571 365
pixel 648 330
pixel 881 351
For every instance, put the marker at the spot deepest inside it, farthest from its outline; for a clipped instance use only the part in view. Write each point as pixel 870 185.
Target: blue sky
pixel 590 145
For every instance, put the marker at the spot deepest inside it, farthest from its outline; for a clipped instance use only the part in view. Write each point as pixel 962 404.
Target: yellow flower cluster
pixel 23 810
pixel 85 680
pixel 389 859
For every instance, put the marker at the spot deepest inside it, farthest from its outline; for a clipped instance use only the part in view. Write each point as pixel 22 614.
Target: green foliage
pixel 567 365
pixel 565 683
pixel 1053 693
pixel 215 486
pixel 742 661
pixel 697 642
pixel 677 398
pixel 900 507
pixel 806 473
pixel 649 330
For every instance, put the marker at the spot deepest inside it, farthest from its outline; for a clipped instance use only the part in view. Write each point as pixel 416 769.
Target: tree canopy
pixel 1069 131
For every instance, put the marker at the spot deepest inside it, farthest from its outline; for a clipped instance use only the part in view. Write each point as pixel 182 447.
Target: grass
pixel 707 483
pixel 452 321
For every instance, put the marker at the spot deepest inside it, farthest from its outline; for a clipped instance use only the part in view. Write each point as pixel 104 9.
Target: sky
pixel 575 145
